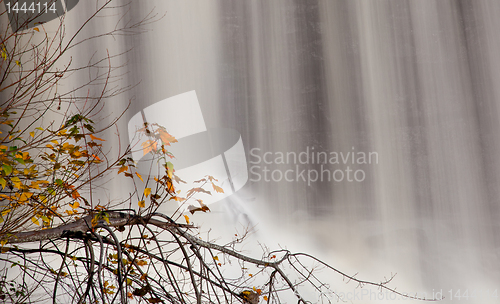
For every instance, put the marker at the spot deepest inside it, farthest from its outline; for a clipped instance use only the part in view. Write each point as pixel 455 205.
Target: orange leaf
pixel 187 219
pixel 193 209
pixel 166 137
pixel 139 176
pixel 95 138
pixel 217 188
pixel 36 29
pixel 142 204
pixel 75 194
pixel 124 168
pixel 148 146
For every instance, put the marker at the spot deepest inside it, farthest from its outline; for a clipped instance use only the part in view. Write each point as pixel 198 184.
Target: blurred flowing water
pixel 416 82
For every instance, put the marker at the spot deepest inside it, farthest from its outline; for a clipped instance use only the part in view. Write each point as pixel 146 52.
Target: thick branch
pixel 84 225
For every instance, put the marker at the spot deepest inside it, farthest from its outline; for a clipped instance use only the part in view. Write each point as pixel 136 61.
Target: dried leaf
pixel 193 209
pixel 217 188
pixel 166 138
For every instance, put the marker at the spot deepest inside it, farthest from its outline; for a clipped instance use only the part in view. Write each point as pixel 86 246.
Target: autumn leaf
pixel 36 29
pixel 123 168
pixel 5 212
pixel 193 209
pixel 35 221
pixel 139 176
pixel 259 291
pixel 95 138
pixel 18 62
pixel 75 205
pixel 148 146
pixel 193 190
pixel 217 188
pixel 154 300
pixel 216 258
pixel 265 298
pixel 166 138
pixel 141 263
pixel 186 218
pixel 177 198
pixel 3 182
pixel 32 134
pixel 147 192
pixel 142 204
pixel 75 194
pixel 7 169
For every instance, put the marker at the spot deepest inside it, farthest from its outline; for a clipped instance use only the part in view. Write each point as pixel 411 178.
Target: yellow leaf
pixel 5 212
pixel 141 263
pixel 35 221
pixel 147 192
pixel 32 134
pixel 95 138
pixel 187 219
pixel 18 62
pixel 265 298
pixel 138 175
pixel 3 182
pixel 25 196
pixel 36 29
pixel 124 168
pixel 142 204
pixel 75 205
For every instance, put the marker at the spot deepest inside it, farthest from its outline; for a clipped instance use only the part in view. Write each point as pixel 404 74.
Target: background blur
pixel 416 82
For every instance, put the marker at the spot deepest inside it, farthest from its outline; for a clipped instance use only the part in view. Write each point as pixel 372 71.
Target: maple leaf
pixel 148 146
pixel 166 138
